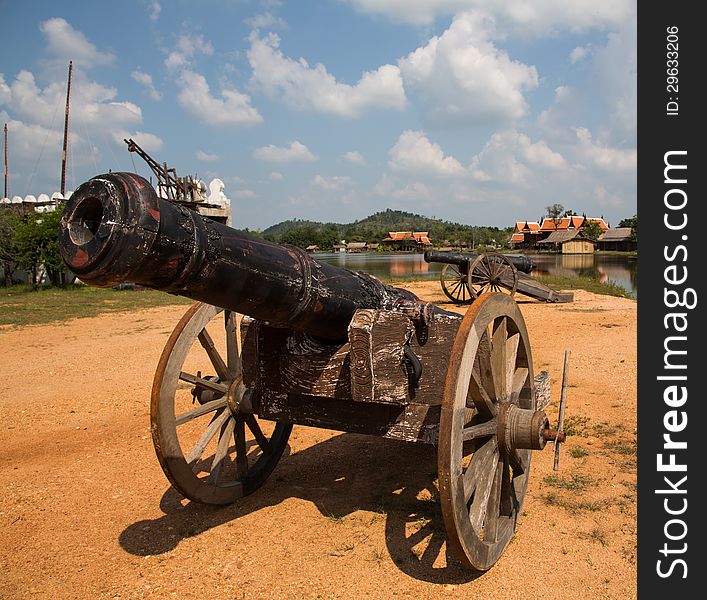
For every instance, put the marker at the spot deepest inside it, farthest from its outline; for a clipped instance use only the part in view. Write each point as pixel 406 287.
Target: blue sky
pixel 472 111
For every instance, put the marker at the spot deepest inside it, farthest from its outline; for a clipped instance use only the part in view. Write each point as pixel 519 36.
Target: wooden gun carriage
pixel 319 346
pixel 465 276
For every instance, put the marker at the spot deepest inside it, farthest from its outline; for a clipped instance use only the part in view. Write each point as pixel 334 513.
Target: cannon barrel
pixel 520 262
pixel 116 229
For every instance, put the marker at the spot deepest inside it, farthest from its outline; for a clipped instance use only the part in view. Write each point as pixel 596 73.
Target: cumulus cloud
pixel 512 156
pixel 99 117
pixel 232 108
pixel 295 152
pixel 66 43
pixel 414 153
pixel 530 18
pixel 206 157
pixel 462 76
pixel 335 182
pixel 354 157
pixel 579 53
pixel 145 80
pixel 304 87
pixel 188 47
pixel 602 156
pixel 266 20
pixel 275 176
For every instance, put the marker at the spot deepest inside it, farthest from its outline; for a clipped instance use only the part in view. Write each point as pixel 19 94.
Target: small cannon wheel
pixel 491 272
pixel 482 482
pixel 454 284
pixel 210 446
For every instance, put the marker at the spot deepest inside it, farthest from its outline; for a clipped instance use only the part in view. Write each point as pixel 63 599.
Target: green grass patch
pixel 561 282
pixel 20 305
pixel 577 483
pixel 576 425
pixel 578 452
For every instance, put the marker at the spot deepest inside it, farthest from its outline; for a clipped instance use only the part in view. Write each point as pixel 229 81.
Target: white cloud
pixel 615 76
pixel 155 10
pixel 413 191
pixel 147 141
pixel 414 153
pixel 66 43
pixel 313 88
pixel 266 20
pixel 188 46
pixel 275 176
pixel 244 194
pixel 602 156
pixel 206 157
pixel 335 182
pixel 295 152
pixel 145 80
pixel 462 76
pixel 354 157
pixel 232 108
pixel 536 18
pixel 510 156
pixel 579 53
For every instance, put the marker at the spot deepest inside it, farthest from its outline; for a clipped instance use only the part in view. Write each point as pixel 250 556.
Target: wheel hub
pixel 523 429
pixel 239 399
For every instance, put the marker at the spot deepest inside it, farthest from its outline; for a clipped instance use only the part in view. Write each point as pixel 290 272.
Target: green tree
pixel 554 212
pixel 9 220
pixel 633 224
pixel 37 243
pixel 592 230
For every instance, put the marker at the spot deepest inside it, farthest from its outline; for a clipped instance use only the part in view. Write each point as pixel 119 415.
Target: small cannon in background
pixel 319 346
pixel 465 276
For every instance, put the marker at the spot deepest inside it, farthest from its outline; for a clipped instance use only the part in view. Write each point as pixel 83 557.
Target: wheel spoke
pixel 511 357
pixel 479 461
pixel 484 485
pixel 498 359
pixel 221 450
pixel 506 501
pixel 516 461
pixel 519 378
pixel 241 451
pixel 200 410
pixel 215 358
pixel 205 383
pixel 198 449
pixel 491 521
pixel 258 433
pixel 480 430
pixel 482 401
pixel 233 350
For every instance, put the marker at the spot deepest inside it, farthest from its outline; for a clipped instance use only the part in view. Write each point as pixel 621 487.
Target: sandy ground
pixel 86 511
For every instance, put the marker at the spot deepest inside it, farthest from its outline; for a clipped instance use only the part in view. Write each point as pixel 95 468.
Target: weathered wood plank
pixel 376 339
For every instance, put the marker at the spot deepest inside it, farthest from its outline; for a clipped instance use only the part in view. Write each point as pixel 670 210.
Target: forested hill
pixel 375 227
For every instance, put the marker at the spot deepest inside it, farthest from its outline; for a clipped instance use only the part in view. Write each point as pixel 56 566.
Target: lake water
pixel 618 269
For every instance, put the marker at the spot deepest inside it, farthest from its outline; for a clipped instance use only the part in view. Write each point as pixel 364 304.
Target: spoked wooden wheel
pixel 488 427
pixel 208 440
pixel 491 272
pixel 454 284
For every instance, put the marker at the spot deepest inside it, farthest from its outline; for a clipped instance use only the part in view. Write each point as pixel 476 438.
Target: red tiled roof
pixel 517 237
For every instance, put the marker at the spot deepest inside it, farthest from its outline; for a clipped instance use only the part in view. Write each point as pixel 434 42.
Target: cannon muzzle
pixel 116 229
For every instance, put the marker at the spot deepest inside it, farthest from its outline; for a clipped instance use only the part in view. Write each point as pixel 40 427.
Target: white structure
pixel 216 205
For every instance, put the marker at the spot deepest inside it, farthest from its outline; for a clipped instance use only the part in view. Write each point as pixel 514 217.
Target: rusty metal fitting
pixel 551 435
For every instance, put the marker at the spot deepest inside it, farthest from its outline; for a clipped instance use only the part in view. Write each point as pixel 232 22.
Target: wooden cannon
pixel 318 346
pixel 465 276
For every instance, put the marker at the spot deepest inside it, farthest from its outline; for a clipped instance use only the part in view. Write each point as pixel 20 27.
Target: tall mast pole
pixel 5 160
pixel 66 133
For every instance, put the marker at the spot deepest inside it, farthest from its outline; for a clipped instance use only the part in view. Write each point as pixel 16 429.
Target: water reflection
pixel 605 268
